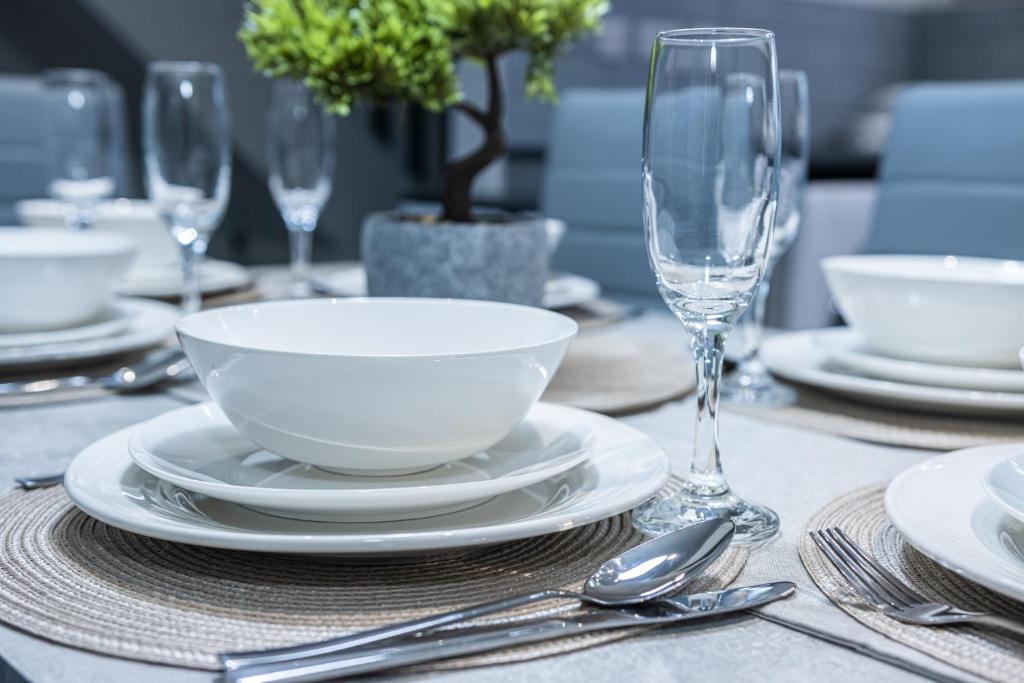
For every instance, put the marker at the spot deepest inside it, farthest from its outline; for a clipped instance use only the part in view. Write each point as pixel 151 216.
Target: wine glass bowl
pixel 710 185
pixel 187 151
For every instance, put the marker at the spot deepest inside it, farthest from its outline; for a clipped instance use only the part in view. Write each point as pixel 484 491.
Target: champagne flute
pixel 750 382
pixel 186 143
pixel 300 139
pixel 81 131
pixel 710 184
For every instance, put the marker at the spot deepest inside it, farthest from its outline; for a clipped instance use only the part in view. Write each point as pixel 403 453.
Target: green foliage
pixel 349 51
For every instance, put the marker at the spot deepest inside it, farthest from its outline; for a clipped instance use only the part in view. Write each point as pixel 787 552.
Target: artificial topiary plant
pixel 351 51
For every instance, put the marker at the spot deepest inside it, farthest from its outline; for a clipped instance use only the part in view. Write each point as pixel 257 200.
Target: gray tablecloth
pixel 793 471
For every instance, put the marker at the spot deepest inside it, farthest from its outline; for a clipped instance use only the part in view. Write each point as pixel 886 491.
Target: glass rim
pixel 183 67
pixel 714 36
pixel 75 75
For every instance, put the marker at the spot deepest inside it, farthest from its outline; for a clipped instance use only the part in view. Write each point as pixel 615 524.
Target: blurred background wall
pixel 858 53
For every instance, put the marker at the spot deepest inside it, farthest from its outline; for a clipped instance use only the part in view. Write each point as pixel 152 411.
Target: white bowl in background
pixel 135 217
pixel 376 386
pixel 57 278
pixel 939 309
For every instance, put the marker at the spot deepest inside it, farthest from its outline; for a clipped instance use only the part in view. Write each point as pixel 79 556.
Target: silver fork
pixel 884 592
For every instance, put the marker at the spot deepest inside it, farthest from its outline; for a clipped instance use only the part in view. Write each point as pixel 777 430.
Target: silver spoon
pixel 648 571
pixel 154 368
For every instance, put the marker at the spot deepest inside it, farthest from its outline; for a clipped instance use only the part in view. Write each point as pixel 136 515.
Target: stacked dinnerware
pixel 925 332
pixel 156 271
pixel 368 426
pixel 57 300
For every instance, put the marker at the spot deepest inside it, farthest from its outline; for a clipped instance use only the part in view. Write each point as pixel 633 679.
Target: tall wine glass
pixel 750 382
pixel 186 141
pixel 710 183
pixel 81 131
pixel 300 154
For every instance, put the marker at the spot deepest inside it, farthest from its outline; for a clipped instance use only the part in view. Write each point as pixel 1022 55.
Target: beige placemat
pixel 74 580
pixel 989 653
pixel 891 426
pixel 613 374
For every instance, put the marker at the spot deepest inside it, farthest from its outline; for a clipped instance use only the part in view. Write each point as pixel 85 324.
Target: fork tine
pixel 855 566
pixel 860 588
pixel 908 595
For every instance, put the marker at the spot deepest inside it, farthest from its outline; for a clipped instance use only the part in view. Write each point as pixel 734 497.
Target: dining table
pixel 795 471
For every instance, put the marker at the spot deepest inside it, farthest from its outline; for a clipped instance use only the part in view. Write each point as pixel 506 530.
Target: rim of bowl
pixel 572 327
pixel 866 265
pixel 53 243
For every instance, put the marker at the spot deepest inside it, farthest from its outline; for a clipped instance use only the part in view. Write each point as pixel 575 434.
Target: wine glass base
pixel 659 516
pixel 755 390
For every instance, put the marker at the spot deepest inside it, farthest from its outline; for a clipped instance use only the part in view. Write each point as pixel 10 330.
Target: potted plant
pixel 378 51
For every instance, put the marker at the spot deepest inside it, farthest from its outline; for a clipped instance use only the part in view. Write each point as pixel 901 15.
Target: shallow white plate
pixel 151 324
pixel 843 347
pixel 625 468
pixel 164 282
pixel 797 357
pixel 1004 484
pixel 562 290
pixel 198 449
pixel 112 321
pixel 940 507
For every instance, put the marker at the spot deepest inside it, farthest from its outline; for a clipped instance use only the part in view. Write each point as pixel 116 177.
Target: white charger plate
pixel 940 507
pixel 797 357
pixel 151 324
pixel 625 468
pixel 198 449
pixel 115 319
pixel 843 347
pixel 164 282
pixel 562 290
pixel 1004 484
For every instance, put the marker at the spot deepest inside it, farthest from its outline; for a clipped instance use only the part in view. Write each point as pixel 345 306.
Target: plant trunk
pixel 460 173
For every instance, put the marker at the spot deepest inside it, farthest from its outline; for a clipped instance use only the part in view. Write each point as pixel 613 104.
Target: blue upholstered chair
pixel 592 182
pixel 952 180
pixel 24 170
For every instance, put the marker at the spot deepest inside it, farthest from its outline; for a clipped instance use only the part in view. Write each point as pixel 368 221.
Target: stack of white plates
pixel 368 427
pixel 965 510
pixel 562 290
pixel 836 360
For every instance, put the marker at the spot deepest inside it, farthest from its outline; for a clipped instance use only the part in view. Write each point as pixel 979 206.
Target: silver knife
pixel 457 642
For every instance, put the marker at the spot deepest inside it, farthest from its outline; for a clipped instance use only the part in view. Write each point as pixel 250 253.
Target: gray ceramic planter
pixel 493 261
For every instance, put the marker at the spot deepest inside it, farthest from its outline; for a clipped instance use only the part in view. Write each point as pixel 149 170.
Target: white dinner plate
pixel 164 282
pixel 198 449
pixel 1004 484
pixel 562 290
pixel 844 348
pixel 112 321
pixel 151 324
pixel 624 469
pixel 797 357
pixel 940 507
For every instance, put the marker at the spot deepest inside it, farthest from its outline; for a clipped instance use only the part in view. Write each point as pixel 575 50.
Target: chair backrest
pixel 592 182
pixel 24 169
pixel 952 180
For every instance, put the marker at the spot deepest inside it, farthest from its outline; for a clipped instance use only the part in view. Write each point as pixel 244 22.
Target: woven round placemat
pixel 72 579
pixel 989 653
pixel 891 426
pixel 616 375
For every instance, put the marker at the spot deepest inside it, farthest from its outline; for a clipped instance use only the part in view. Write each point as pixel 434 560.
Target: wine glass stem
pixel 752 327
pixel 192 254
pixel 300 242
pixel 706 478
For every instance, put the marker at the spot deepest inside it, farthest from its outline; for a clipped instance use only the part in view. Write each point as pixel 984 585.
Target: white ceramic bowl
pixel 952 310
pixel 56 278
pixel 137 218
pixel 376 386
